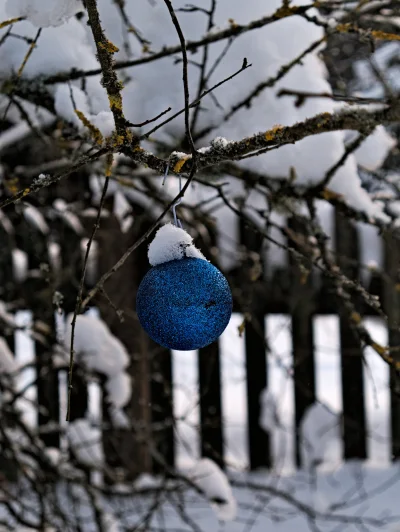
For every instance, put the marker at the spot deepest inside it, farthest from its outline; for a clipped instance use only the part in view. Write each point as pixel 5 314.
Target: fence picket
pixel 302 310
pixel 256 359
pixel 209 372
pixel 162 406
pixel 354 419
pixel 392 308
pixel 211 427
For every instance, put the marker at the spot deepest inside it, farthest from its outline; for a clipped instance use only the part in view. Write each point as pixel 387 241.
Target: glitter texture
pixel 184 304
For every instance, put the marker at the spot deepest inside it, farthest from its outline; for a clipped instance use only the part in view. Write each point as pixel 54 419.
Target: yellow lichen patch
pixel 383 351
pixel 355 317
pixel 27 56
pixel 272 133
pixel 117 140
pixel 384 36
pixel 376 34
pixel 343 28
pixel 109 163
pixel 329 194
pixel 109 47
pixel 12 185
pixel 285 11
pixel 179 164
pixel 115 101
pixel 323 119
pixel 10 21
pixel 94 131
pixel 26 191
pixel 241 328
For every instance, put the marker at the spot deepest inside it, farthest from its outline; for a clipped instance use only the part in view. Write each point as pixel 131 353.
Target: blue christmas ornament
pixel 183 302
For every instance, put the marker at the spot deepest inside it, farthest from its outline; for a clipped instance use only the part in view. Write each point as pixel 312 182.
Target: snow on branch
pixel 44 13
pixel 213 483
pixel 101 352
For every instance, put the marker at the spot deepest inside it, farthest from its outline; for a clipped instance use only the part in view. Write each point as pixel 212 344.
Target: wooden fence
pixel 288 292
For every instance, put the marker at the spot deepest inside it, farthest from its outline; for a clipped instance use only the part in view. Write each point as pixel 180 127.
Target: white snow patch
pixel 5 316
pixel 219 143
pixel 98 348
pixel 320 428
pixel 7 361
pixel 35 218
pixel 85 441
pixel 269 419
pixel 44 13
pixel 118 418
pixel 110 523
pixel 122 208
pixel 100 351
pixel 104 121
pixel 374 150
pixel 172 243
pixel 371 249
pixel 54 455
pixel 5 222
pixel 92 262
pixel 119 389
pixel 70 218
pixel 204 150
pixel 20 265
pixel 54 251
pixel 394 208
pixel 212 481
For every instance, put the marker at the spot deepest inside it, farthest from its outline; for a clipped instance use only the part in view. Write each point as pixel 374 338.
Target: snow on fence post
pixel 302 308
pixel 209 368
pixel 255 346
pixel 354 419
pixel 392 309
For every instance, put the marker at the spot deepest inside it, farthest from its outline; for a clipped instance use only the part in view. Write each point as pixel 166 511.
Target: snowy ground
pixel 351 498
pixel 356 497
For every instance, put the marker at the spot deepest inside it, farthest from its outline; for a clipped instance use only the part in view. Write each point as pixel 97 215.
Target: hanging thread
pixel 177 222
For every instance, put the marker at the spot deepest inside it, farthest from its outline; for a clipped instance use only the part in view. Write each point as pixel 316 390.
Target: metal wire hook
pixel 177 222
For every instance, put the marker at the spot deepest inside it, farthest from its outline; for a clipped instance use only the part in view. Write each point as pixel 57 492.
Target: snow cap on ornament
pixel 183 302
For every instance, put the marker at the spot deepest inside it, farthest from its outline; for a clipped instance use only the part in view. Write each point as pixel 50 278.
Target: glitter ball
pixel 184 304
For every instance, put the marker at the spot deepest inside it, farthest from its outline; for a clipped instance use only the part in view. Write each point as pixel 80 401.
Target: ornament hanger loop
pixel 177 222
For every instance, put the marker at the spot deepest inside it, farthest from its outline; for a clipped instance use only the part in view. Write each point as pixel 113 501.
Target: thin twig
pixel 184 78
pixel 197 101
pixel 150 120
